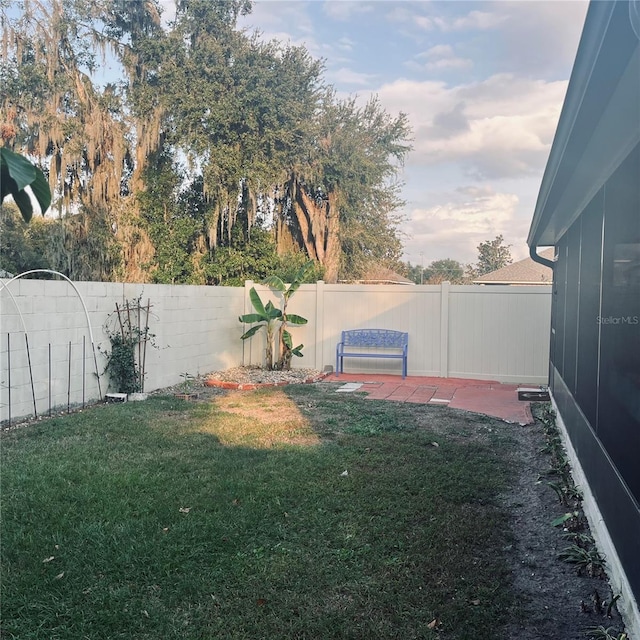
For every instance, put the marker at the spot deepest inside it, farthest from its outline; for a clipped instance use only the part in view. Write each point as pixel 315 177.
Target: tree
pixel 492 255
pixel 81 246
pixel 49 102
pixel 446 270
pixel 346 187
pixel 18 251
pixel 266 143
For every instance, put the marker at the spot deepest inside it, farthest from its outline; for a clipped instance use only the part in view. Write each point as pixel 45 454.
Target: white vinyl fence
pixel 47 352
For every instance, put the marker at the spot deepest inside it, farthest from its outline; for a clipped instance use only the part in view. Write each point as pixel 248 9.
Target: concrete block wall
pixel 195 331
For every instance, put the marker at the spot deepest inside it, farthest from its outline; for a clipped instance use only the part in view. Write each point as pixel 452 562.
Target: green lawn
pixel 234 519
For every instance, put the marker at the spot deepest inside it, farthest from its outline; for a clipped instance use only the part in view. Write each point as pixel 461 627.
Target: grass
pixel 234 519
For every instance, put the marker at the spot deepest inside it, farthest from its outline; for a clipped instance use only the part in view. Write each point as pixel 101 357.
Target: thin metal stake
pixel 129 325
pixel 120 321
pixel 95 362
pixel 49 379
pixel 9 372
pixel 69 382
pixel 146 339
pixel 84 364
pixel 139 351
pixel 33 390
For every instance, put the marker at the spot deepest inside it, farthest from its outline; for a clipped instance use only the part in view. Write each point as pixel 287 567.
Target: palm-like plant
pixel 267 317
pixel 287 350
pixel 272 319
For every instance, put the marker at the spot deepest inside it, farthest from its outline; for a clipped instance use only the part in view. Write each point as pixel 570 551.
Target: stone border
pixel 250 386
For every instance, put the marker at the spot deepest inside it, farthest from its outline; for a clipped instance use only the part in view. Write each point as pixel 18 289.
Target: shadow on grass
pixel 271 514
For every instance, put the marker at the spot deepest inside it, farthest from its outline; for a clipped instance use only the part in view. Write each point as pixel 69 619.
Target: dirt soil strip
pixel 560 603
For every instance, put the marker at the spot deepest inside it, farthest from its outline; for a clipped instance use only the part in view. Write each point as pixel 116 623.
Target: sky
pixel 482 84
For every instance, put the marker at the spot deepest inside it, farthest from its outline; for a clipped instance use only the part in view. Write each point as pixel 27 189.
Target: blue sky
pixel 482 84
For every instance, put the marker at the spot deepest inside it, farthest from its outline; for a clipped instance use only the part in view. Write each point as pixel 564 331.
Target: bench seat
pixel 380 343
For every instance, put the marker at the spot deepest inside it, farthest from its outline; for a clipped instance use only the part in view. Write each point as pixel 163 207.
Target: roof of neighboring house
pixel 522 272
pixel 381 275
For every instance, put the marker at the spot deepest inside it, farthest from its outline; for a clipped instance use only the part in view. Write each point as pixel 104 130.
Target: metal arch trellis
pixel 634 16
pixel 5 285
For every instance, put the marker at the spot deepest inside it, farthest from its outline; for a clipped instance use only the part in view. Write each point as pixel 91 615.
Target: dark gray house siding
pixel 589 209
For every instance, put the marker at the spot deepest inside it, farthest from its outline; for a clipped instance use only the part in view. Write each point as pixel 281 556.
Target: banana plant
pixel 268 318
pixel 285 341
pixel 271 319
pixel 16 173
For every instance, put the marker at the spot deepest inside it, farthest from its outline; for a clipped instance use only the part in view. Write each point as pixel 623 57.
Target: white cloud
pixel 474 21
pixel 499 127
pixel 350 77
pixel 423 15
pixel 539 37
pixel 455 227
pixel 443 57
pixel 534 38
pixel 437 51
pixel 449 63
pixel 344 10
pixel 346 44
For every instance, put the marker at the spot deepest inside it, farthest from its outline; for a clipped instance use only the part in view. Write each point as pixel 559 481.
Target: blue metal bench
pixel 381 343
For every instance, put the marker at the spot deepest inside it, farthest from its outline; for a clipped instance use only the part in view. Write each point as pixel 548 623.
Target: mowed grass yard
pixel 294 512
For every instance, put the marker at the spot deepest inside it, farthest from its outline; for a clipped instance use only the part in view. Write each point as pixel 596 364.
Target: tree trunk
pixel 319 227
pixel 333 248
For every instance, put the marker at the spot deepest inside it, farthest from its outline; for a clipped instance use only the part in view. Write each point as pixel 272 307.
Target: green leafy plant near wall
pixel 122 369
pixel 272 319
pixel 128 331
pixel 582 552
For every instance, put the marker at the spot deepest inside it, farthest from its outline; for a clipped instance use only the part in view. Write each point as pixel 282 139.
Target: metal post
pixel 33 390
pixel 9 372
pixel 49 379
pixel 84 365
pixel 69 382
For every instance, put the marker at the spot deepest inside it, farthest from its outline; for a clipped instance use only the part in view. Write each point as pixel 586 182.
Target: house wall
pixel 497 333
pixel 595 353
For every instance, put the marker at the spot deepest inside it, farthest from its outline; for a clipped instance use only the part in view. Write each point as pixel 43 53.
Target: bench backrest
pixel 385 338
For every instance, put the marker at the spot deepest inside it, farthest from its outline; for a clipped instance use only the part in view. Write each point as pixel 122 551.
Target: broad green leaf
pixel 250 318
pixel 16 167
pixel 16 173
pixel 292 318
pixel 23 201
pixel 257 302
pixel 298 278
pixel 562 519
pixel 286 338
pixel 272 312
pixel 275 283
pixel 251 332
pixel 40 188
